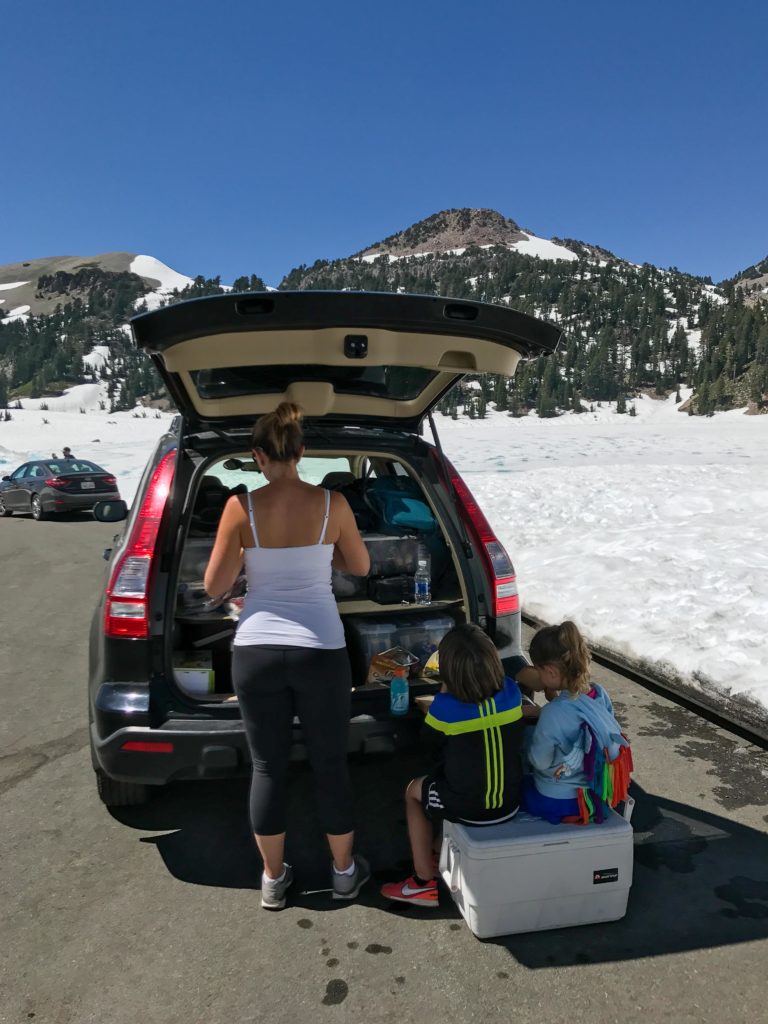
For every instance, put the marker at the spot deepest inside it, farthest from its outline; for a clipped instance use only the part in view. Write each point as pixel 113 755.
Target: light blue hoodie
pixel 559 739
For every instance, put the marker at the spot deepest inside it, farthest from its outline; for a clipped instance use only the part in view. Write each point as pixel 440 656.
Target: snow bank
pixel 648 531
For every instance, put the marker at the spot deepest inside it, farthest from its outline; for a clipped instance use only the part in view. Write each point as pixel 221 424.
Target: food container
pixel 367 636
pixel 391 555
pixel 194 673
pixel 422 636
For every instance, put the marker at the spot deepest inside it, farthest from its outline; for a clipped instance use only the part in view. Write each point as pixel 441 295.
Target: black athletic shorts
pixel 440 804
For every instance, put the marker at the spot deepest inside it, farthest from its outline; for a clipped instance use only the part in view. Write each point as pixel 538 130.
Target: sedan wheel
pixel 38 512
pixel 3 510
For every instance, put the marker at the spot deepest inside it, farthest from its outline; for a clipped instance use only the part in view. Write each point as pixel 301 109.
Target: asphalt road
pixel 152 913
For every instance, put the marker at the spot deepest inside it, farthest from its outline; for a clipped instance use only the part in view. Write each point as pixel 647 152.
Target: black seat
pixel 337 479
pixel 211 498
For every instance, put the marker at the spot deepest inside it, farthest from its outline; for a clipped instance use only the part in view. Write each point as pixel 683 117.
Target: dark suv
pixel 367 369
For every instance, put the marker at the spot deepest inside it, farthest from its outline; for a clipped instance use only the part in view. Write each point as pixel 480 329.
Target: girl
pixel 478 716
pixel 579 757
pixel 290 656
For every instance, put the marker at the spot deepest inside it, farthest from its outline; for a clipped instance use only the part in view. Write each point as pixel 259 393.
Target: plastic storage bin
pixel 422 636
pixel 367 637
pixel 528 875
pixel 392 555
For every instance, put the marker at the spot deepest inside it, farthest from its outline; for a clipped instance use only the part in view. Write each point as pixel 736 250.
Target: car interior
pixel 399 525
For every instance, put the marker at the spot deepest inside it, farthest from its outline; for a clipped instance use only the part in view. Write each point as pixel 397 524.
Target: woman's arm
pixel 227 556
pixel 350 554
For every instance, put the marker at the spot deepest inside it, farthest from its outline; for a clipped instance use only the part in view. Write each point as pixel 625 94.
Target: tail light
pixel 111 480
pixel 127 607
pixel 56 482
pixel 498 565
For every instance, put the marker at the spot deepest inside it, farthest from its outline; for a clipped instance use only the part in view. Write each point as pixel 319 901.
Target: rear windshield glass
pixel 402 383
pixel 73 466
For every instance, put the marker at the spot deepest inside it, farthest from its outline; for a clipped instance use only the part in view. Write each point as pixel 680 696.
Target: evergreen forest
pixel 627 329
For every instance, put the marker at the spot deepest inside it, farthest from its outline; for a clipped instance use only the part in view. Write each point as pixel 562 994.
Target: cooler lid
pixel 488 843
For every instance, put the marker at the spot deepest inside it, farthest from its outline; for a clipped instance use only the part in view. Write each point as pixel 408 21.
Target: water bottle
pixel 422 582
pixel 398 692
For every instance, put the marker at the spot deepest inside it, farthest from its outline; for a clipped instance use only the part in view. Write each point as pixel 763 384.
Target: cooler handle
pixel 449 864
pixel 629 806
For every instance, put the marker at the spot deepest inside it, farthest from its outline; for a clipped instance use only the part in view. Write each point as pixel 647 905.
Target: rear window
pixel 402 383
pixel 73 466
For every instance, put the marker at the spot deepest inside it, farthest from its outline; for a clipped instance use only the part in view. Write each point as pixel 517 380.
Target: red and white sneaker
pixel 410 891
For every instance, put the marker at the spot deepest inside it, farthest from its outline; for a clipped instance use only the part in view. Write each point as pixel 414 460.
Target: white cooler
pixel 528 875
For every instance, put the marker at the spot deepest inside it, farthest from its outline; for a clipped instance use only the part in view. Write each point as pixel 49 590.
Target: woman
pixel 289 656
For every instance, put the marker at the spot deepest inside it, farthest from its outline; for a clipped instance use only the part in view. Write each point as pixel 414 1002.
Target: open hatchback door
pixel 354 358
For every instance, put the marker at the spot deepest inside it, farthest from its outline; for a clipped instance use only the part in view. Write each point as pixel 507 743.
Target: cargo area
pixel 400 527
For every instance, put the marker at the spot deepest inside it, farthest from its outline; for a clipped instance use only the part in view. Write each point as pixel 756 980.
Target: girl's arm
pixel 226 558
pixel 544 747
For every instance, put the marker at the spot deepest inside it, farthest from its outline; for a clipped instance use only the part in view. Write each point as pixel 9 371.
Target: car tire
pixel 38 512
pixel 4 512
pixel 120 794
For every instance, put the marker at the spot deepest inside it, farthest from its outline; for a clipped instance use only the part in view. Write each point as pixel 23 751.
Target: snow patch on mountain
pixel 170 280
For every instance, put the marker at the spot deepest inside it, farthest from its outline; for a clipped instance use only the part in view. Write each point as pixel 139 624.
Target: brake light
pixel 55 482
pixel 127 606
pixel 147 747
pixel 111 480
pixel 498 565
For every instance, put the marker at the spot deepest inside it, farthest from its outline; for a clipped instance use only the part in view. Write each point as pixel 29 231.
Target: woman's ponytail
pixel 279 434
pixel 564 647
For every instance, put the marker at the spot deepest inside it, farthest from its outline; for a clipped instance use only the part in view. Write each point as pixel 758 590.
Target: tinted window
pixel 20 472
pixel 399 382
pixel 73 466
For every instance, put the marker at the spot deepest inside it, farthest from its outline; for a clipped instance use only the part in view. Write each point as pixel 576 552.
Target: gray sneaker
pixel 346 887
pixel 273 891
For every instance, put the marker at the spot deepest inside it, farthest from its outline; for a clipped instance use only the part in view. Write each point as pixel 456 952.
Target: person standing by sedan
pixel 290 655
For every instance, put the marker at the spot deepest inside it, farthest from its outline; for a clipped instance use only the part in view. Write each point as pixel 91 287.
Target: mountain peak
pixel 450 229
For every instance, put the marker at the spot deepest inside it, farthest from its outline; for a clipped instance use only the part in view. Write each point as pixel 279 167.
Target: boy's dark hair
pixel 469 664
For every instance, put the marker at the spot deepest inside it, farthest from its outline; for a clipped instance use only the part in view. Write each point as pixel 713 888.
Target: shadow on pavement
pixel 207 838
pixel 700 880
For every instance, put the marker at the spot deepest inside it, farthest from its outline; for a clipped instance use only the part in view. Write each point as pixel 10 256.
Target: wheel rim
pixel 36 507
pixel 2 507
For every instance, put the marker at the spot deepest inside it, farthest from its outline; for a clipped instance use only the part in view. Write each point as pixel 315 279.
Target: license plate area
pixel 87 485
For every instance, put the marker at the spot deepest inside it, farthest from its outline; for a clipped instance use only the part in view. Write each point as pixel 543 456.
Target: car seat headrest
pixel 337 479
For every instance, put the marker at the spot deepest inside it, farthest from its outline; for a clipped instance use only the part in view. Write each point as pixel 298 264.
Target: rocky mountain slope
pixel 628 328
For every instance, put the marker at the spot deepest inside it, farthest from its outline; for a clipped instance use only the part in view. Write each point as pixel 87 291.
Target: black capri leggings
pixel 272 685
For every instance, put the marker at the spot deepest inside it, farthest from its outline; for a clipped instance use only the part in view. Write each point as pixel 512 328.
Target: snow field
pixel 649 531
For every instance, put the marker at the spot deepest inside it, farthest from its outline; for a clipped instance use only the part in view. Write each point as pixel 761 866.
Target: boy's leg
pixel 420 831
pixel 421 889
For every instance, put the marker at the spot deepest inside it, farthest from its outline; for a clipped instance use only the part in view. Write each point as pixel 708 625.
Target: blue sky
pixel 244 137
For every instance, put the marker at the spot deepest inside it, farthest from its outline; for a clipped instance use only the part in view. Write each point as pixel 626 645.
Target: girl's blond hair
pixel 279 434
pixel 469 664
pixel 563 646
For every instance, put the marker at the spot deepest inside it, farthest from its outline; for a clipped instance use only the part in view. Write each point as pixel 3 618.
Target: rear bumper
pixel 76 502
pixel 209 749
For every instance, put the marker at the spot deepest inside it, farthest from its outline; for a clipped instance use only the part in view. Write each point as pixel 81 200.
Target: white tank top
pixel 289 600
